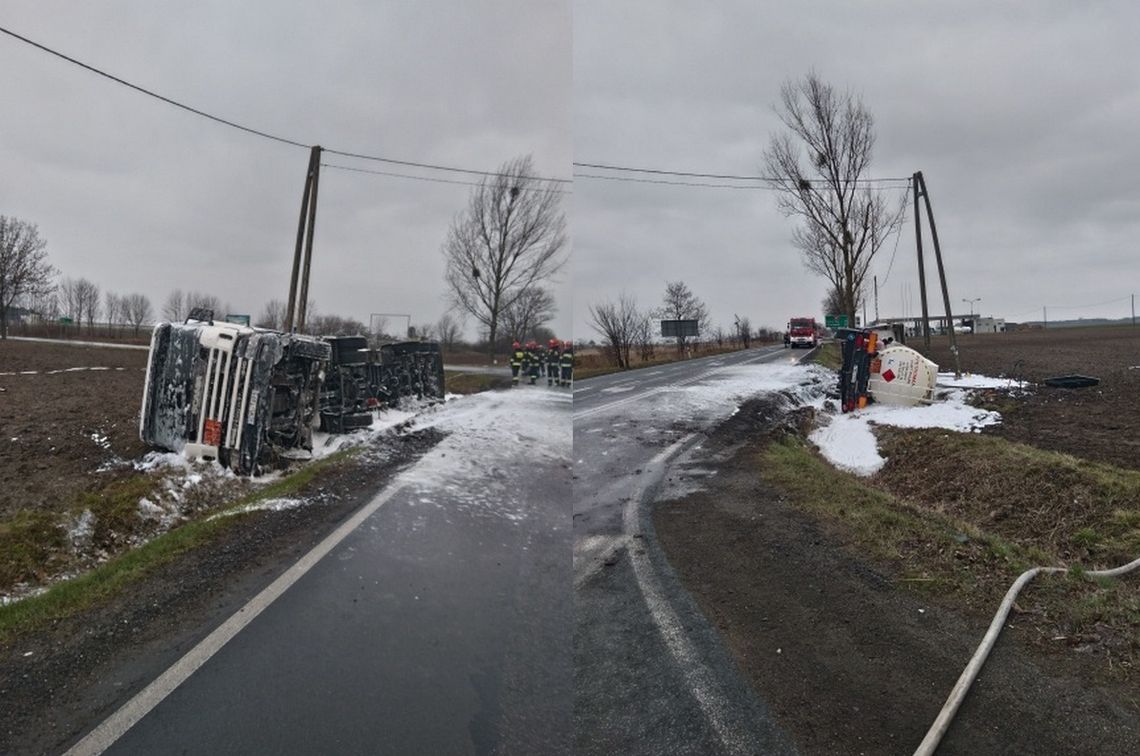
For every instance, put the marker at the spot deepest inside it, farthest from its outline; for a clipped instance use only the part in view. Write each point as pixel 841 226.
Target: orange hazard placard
pixel 212 433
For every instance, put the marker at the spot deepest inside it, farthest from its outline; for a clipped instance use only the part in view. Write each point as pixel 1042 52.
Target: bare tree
pixel 112 310
pixel 334 325
pixel 68 301
pixel 819 165
pixel 86 295
pixel 138 310
pixel 643 336
pixel 833 303
pixel 449 330
pixel 617 322
pixel 533 309
pixel 197 299
pixel 680 303
pixel 24 269
pixel 743 330
pixel 272 316
pixel 175 308
pixel 509 239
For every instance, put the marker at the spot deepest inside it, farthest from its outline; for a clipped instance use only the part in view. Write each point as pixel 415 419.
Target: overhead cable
pixel 259 132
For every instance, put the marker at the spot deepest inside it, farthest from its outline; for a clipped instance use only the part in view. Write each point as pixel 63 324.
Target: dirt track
pixel 58 428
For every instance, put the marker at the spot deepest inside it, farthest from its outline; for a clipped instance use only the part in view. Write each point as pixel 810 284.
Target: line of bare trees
pixel 627 330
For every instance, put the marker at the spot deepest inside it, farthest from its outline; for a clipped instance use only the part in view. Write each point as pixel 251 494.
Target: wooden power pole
pixel 920 188
pixel 295 310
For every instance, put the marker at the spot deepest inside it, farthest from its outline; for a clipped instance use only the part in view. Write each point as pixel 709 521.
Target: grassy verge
pixel 460 382
pixel 33 543
pixel 69 597
pixel 828 355
pixel 952 555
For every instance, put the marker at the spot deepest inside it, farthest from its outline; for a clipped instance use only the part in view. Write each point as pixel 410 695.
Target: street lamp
pixel 971 301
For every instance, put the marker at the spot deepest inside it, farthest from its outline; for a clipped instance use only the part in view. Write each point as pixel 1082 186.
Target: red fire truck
pixel 802 332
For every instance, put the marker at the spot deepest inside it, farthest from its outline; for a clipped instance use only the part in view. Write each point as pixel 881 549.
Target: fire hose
pixel 958 693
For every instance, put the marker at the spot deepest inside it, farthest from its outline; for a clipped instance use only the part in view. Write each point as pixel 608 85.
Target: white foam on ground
pixel 974 381
pixel 492 438
pixel 848 440
pixel 266 505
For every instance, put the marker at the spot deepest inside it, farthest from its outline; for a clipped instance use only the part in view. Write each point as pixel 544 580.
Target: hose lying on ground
pixel 958 693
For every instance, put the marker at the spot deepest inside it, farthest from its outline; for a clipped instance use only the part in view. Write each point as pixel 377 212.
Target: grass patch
pixel 1072 508
pixel 936 551
pixel 30 544
pixel 116 508
pixel 462 382
pixel 828 355
pixel 69 597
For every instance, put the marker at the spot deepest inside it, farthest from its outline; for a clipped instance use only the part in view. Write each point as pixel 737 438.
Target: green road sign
pixel 835 321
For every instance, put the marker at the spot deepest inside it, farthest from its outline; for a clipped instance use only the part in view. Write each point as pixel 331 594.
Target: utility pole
pixel 921 269
pixel 941 274
pixel 875 279
pixel 1044 317
pixel 1133 310
pixel 295 311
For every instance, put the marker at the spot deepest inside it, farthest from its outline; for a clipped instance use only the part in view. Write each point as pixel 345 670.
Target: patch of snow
pixel 493 439
pixel 80 530
pixel 620 389
pixel 21 591
pixel 267 505
pixel 718 393
pixel 974 381
pixel 325 444
pixel 849 442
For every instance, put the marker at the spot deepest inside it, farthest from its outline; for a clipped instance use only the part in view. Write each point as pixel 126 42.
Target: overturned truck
pixel 250 398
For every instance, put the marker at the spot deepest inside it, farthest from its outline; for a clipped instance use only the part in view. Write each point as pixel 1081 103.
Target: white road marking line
pixel 705 688
pixel 129 714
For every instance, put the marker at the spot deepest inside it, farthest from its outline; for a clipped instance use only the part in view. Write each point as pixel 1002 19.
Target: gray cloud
pixel 137 195
pixel 1021 117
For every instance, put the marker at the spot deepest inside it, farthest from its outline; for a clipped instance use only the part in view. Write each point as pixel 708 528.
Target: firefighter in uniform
pixel 566 361
pixel 553 355
pixel 533 360
pixel 517 357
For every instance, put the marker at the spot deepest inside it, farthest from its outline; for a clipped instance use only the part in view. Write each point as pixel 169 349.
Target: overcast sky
pixel 139 196
pixel 1024 118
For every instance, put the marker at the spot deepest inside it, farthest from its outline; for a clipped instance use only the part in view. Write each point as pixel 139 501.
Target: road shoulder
pixel 62 680
pixel 848 660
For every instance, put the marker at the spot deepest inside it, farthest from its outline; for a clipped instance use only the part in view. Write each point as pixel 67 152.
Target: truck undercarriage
pixel 250 398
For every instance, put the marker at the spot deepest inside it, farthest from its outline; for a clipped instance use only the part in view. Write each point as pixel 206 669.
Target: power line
pixel 1085 307
pixel 898 236
pixel 258 132
pixel 632 180
pixel 722 176
pixel 423 178
pixel 155 95
pixel 768 187
pixel 433 167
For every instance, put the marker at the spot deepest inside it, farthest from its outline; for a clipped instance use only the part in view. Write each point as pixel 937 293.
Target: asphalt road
pixel 651 675
pixel 440 624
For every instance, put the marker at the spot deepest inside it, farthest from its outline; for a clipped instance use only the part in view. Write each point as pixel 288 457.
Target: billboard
pixel 672 329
